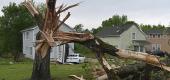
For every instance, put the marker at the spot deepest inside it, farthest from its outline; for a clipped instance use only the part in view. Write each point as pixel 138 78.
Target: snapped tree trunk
pixel 99 50
pixel 49 25
pixel 41 66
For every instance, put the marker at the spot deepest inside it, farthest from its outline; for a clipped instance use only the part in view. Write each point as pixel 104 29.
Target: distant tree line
pixel 14 19
pixel 117 20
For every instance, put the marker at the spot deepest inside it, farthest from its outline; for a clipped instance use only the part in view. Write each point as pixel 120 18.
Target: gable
pixel 140 35
pixel 64 28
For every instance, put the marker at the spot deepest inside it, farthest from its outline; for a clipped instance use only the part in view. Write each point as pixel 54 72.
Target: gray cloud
pixel 91 13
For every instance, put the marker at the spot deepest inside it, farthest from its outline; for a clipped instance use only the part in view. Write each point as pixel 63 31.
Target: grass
pixel 22 70
pixel 15 71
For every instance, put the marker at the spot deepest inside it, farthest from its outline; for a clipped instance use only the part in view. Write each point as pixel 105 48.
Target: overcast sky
pixel 91 13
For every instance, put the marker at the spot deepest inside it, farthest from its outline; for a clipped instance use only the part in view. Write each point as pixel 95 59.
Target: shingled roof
pixel 154 31
pixel 114 30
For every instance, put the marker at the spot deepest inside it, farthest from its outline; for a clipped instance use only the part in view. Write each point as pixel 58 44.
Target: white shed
pixel 58 53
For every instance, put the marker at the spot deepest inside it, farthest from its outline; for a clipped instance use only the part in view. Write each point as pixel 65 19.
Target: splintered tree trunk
pixel 49 25
pixel 99 50
pixel 105 66
pixel 41 67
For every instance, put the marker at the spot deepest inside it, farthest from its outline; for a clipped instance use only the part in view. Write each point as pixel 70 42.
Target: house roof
pixel 154 31
pixel 34 27
pixel 30 28
pixel 115 30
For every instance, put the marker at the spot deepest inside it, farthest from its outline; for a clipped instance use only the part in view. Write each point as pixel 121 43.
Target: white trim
pixel 132 35
pixel 28 29
pixel 33 33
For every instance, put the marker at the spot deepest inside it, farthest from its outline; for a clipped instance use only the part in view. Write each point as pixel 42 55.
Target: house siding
pixel 28 43
pixel 57 52
pixel 125 41
pixel 126 37
pixel 163 41
pixel 115 41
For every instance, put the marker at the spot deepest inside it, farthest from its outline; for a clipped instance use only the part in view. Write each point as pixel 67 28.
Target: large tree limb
pixel 134 70
pixel 61 23
pixel 61 9
pixel 31 8
pixel 95 43
pixel 34 12
pixel 150 59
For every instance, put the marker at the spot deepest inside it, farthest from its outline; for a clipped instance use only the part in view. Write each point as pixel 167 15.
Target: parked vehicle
pixel 158 53
pixel 75 58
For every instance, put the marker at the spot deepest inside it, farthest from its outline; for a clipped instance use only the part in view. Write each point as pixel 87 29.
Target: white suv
pixel 75 58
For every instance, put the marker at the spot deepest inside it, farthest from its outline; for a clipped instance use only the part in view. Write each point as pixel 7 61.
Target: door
pixel 66 52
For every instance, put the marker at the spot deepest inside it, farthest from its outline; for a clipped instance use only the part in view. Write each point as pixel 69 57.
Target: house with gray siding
pixel 58 53
pixel 127 36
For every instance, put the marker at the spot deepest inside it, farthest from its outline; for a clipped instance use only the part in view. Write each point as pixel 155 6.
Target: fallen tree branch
pixel 76 77
pixel 150 59
pixel 96 44
pixel 133 70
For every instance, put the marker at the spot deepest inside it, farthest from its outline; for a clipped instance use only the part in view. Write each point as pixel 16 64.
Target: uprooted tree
pixel 49 33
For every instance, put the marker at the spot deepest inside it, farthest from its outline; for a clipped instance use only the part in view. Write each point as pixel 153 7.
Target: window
pixel 153 47
pixel 26 35
pixel 59 48
pixel 156 47
pixel 51 50
pixel 153 35
pixel 150 35
pixel 29 49
pixel 159 35
pixel 141 48
pixel 136 48
pixel 133 36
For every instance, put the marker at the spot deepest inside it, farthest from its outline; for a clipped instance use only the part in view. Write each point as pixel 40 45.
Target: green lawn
pixel 22 70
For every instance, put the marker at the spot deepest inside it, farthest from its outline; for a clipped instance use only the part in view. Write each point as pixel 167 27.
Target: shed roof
pixel 34 27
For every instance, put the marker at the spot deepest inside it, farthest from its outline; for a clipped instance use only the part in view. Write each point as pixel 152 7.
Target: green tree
pixel 145 27
pixel 14 19
pixel 152 27
pixel 115 20
pixel 95 30
pixel 79 27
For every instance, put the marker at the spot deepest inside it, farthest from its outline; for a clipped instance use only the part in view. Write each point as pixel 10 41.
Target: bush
pixel 83 51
